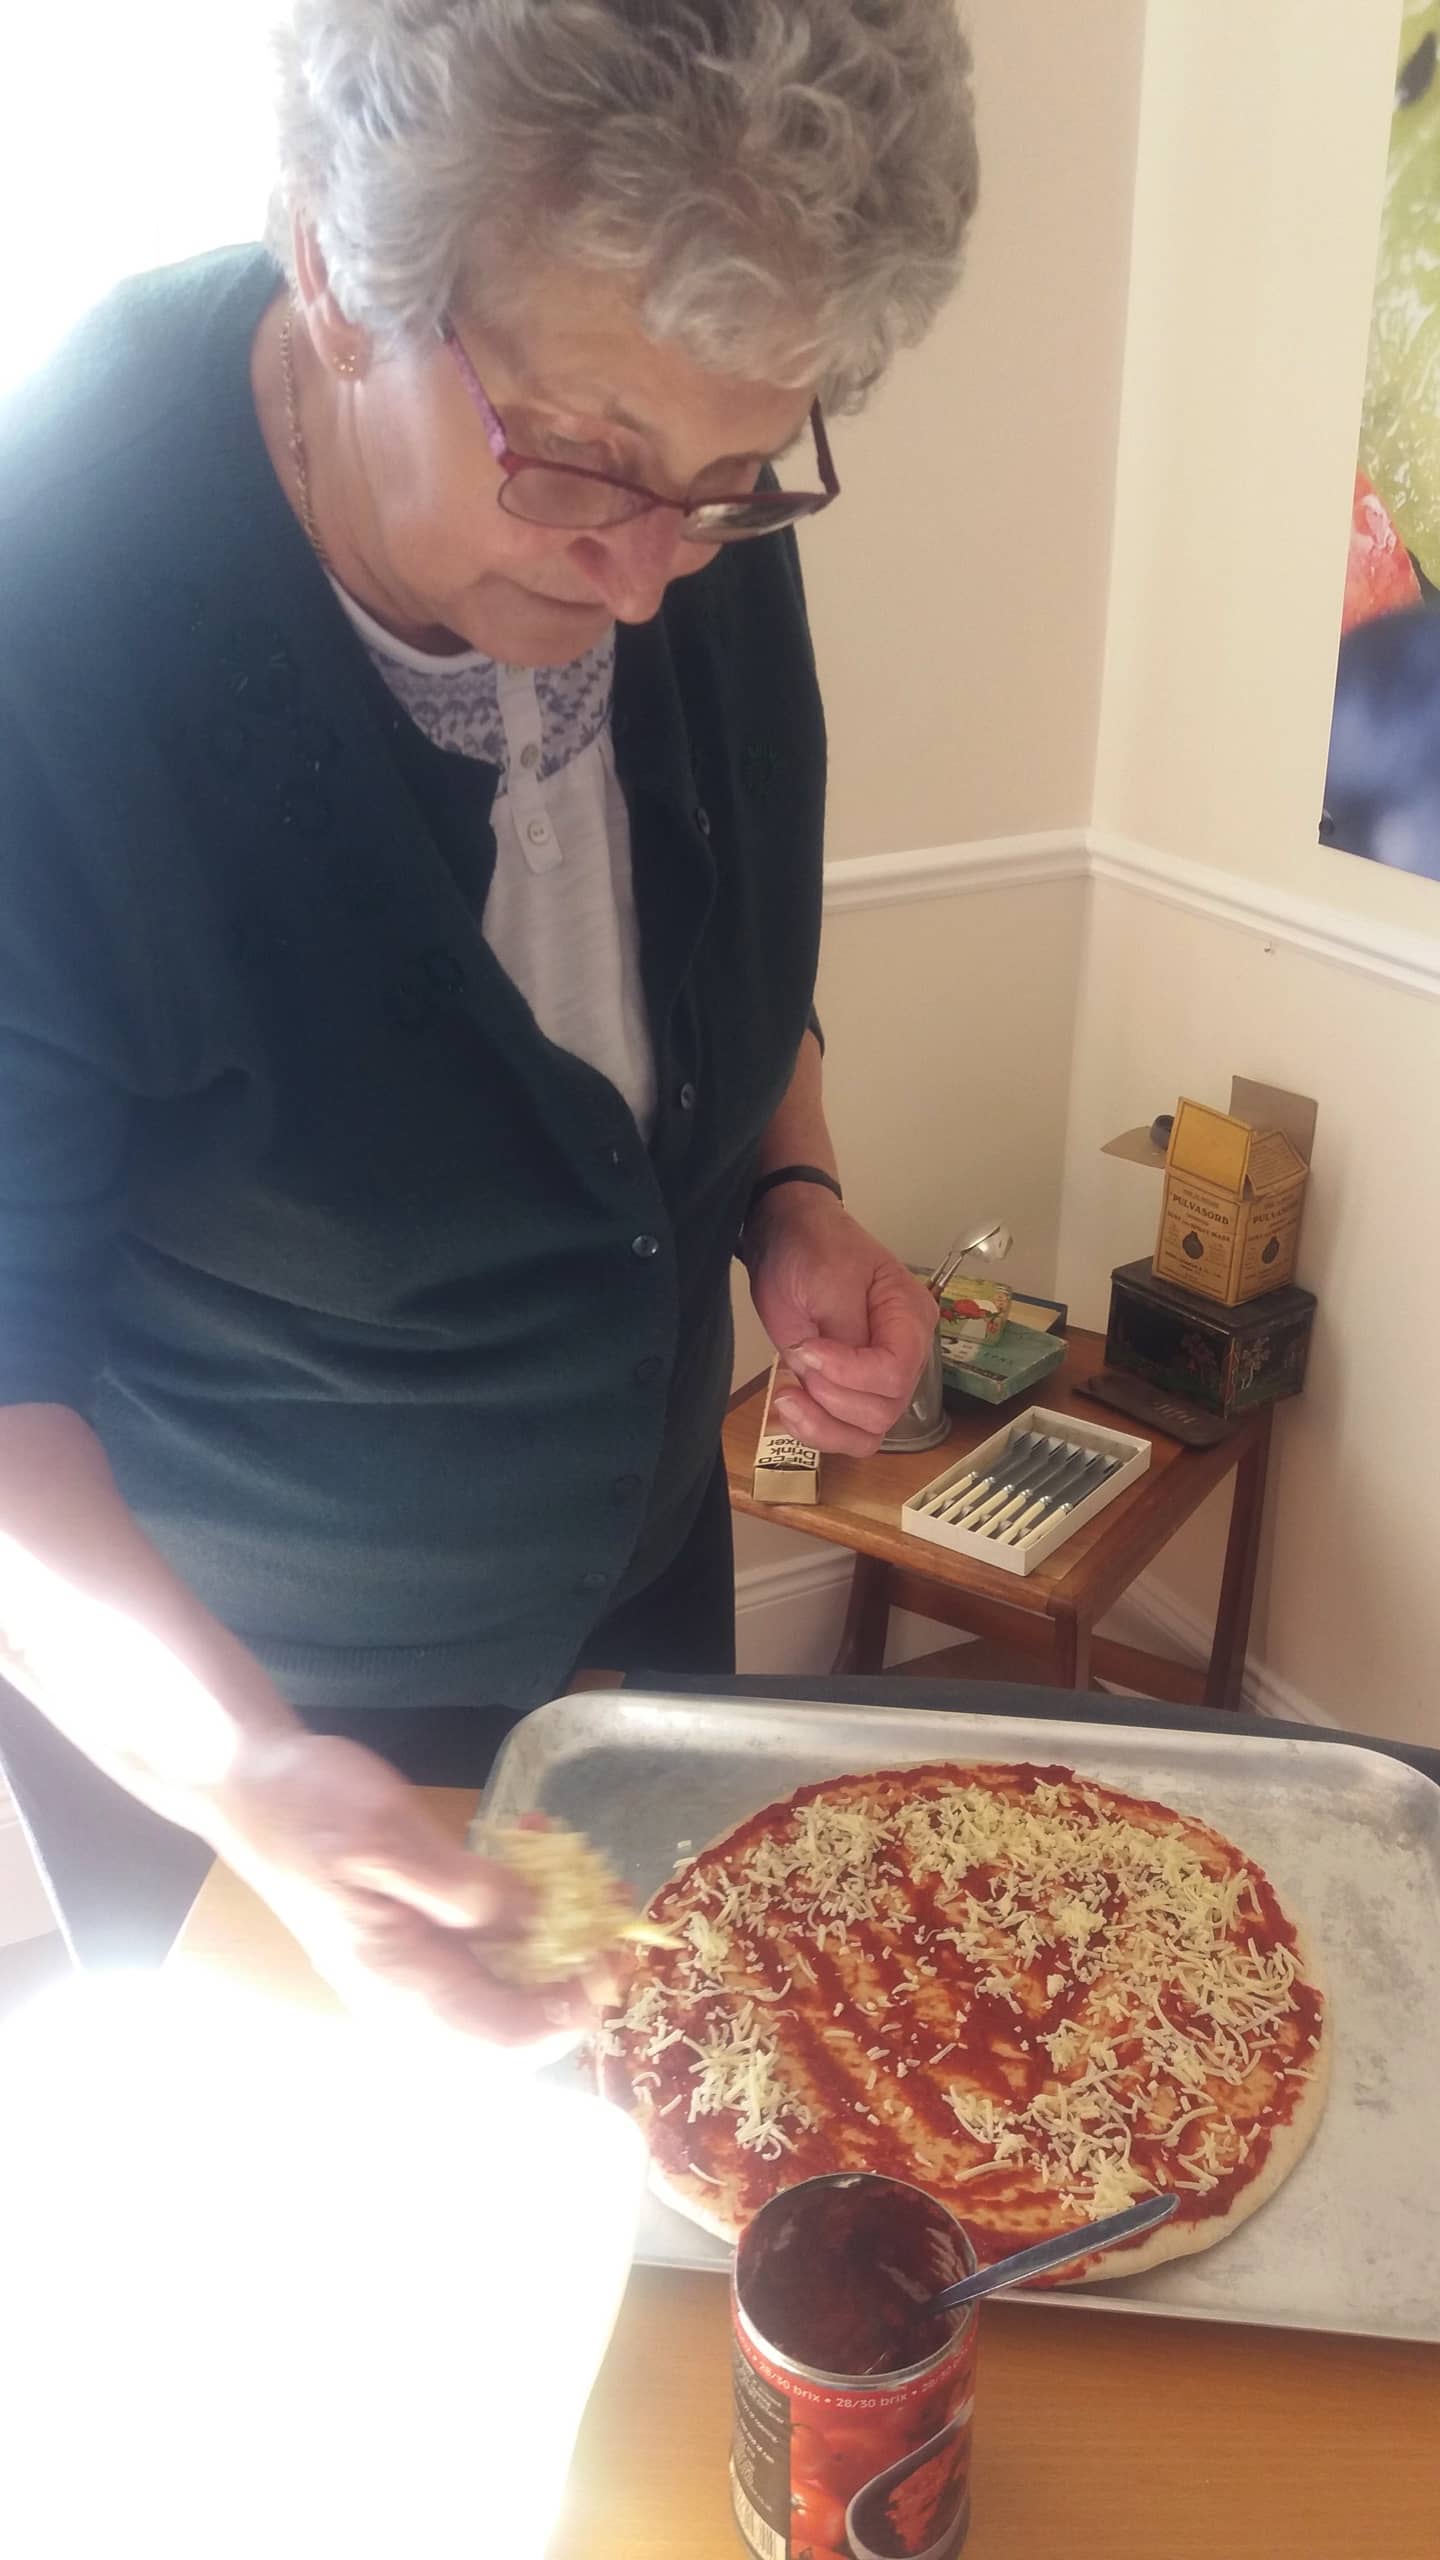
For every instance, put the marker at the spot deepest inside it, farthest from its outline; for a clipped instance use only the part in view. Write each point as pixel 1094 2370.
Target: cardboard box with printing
pixel 1234 1190
pixel 1230 1215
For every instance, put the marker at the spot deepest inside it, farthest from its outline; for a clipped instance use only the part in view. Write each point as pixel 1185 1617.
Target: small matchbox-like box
pixel 785 1470
pixel 994 1371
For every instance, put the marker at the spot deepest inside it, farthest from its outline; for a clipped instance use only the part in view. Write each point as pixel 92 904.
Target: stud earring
pixel 347 364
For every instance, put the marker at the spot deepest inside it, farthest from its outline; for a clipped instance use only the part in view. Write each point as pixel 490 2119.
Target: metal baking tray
pixel 1351 1838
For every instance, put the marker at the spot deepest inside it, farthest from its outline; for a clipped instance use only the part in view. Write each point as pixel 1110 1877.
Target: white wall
pixel 1259 175
pixel 957 596
pixel 1348 1611
pixel 958 589
pixel 1177 483
pixel 1258 183
pixel 940 1102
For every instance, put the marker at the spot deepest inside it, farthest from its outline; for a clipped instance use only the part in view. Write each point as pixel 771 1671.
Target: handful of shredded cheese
pixel 579 1909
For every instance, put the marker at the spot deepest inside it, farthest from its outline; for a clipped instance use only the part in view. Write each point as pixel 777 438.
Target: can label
pixel 820 2471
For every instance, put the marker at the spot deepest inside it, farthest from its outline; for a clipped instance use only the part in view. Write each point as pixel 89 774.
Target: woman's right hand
pixel 392 1913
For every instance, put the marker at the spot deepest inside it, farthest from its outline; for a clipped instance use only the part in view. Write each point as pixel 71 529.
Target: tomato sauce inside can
pixel 853 2400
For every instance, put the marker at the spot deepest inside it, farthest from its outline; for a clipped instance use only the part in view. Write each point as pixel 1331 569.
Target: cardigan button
pixel 702 821
pixel 627 1488
pixel 649 1369
pixel 593 1581
pixel 645 1248
pixel 686 1097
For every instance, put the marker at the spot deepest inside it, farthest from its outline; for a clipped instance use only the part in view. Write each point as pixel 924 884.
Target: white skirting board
pixel 788 1618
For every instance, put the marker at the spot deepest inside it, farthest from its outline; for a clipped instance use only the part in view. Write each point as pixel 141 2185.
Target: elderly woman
pixel 411 787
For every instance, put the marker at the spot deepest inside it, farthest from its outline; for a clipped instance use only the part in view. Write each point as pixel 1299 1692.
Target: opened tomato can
pixel 853 2398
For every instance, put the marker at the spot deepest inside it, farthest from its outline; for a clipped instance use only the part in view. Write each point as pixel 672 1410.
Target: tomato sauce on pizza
pixel 1033 1995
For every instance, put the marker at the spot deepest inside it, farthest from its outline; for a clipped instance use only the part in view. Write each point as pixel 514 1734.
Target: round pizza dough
pixel 1003 1982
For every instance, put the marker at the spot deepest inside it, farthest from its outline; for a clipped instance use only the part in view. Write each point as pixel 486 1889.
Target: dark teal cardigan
pixel 405 1348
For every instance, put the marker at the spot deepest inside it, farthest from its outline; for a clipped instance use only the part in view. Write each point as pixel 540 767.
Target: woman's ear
pixel 342 346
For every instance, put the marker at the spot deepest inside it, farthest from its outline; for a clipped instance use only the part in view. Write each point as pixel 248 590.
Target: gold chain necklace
pixel 298 454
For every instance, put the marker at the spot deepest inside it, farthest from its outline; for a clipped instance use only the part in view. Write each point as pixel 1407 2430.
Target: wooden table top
pixel 862 1497
pixel 1097 2436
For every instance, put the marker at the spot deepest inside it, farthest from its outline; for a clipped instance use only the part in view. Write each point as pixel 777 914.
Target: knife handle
pixel 1018 1529
pixel 1026 1493
pixel 1019 1532
pixel 1052 1467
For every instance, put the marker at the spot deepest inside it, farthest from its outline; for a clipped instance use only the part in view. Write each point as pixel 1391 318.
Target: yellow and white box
pixel 1230 1216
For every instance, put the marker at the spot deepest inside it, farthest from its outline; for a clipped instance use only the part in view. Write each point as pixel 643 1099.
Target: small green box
pixel 1226 1359
pixel 992 1372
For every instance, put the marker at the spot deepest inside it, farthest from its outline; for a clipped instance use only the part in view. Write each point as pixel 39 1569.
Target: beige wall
pixel 1151 653
pixel 958 590
pixel 1257 203
pixel 937 1113
pixel 1348 1611
pixel 957 596
pixel 1257 199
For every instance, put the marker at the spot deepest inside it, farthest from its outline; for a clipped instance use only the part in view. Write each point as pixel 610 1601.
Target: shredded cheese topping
pixel 1074 1982
pixel 579 1908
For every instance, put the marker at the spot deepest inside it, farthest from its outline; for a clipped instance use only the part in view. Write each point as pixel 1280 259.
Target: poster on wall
pixel 1382 786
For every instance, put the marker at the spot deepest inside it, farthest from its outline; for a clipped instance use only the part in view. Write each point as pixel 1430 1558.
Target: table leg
pixel 1225 1676
pixel 867 1619
pixel 1072 1651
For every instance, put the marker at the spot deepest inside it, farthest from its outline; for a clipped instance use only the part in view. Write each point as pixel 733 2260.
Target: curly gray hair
pixel 785 184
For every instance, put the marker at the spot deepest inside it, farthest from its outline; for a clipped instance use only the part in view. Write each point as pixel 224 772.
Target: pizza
pixel 1033 1995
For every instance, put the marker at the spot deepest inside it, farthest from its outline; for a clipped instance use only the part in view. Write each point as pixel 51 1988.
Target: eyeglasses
pixel 570 497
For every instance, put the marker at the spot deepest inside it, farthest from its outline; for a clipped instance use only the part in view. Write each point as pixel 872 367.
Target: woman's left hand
pixel 851 1321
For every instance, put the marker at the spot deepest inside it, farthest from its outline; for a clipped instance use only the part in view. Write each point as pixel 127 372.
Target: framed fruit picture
pixel 1382 785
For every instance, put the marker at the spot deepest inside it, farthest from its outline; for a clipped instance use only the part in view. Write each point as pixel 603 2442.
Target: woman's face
pixel 410 512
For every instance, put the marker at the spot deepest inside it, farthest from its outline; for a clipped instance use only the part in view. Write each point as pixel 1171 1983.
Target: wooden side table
pixel 1051 1613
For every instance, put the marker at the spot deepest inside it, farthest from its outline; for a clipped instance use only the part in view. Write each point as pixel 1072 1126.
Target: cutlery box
pixel 1128 1446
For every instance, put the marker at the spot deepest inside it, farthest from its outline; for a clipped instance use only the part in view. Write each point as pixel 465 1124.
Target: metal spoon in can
pixel 1059 2252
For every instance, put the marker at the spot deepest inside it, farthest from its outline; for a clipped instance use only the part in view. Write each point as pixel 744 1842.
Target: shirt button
pixel 537 831
pixel 625 1488
pixel 649 1369
pixel 644 1248
pixel 687 1097
pixel 530 756
pixel 593 1581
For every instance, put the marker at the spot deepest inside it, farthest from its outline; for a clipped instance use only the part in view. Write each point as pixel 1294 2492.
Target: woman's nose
pixel 631 565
